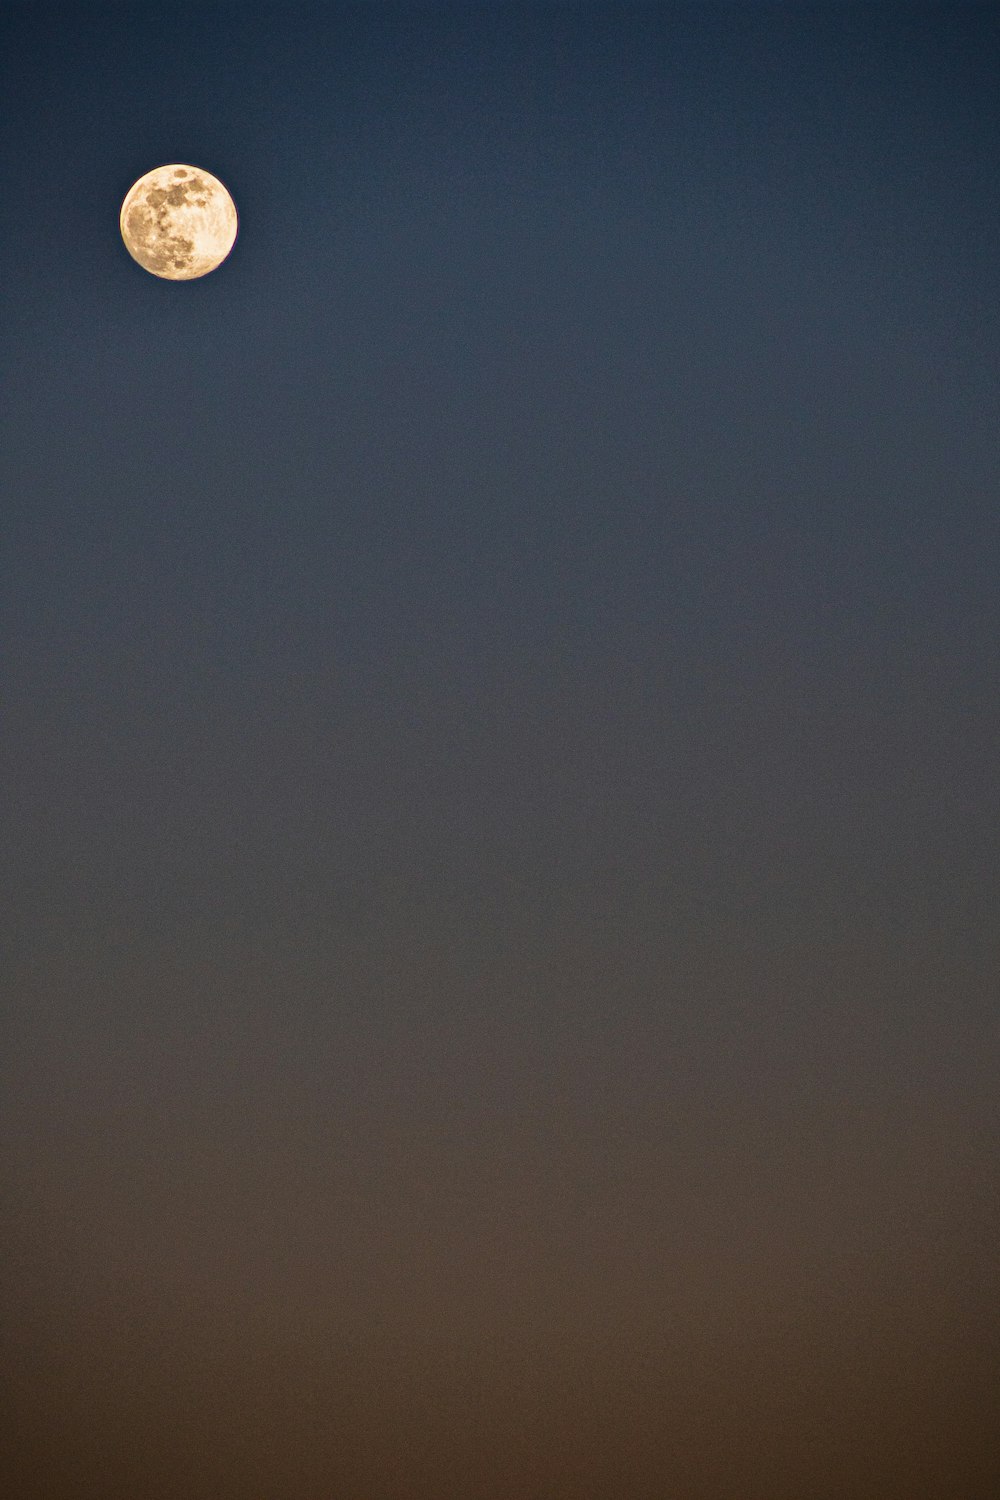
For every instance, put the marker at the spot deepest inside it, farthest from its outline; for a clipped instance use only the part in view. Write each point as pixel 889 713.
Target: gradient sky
pixel 500 757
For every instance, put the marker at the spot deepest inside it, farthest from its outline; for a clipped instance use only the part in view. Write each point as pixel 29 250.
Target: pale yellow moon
pixel 178 222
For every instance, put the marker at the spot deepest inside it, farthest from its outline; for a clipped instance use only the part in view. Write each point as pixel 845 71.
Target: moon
pixel 178 222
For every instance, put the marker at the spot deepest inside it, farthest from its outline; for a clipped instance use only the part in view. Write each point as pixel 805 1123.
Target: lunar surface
pixel 178 222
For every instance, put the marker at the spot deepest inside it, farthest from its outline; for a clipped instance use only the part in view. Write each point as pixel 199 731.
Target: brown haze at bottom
pixel 285 1311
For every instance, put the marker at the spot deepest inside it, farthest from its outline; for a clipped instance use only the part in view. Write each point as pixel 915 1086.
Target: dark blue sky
pixel 500 755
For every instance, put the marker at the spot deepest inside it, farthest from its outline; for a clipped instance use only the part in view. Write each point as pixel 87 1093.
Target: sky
pixel 499 756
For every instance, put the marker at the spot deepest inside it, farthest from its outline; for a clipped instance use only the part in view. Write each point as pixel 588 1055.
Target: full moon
pixel 178 222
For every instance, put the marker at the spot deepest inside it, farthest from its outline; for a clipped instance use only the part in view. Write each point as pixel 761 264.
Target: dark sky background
pixel 500 757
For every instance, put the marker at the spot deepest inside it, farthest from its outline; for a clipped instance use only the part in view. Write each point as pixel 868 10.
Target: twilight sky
pixel 500 756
